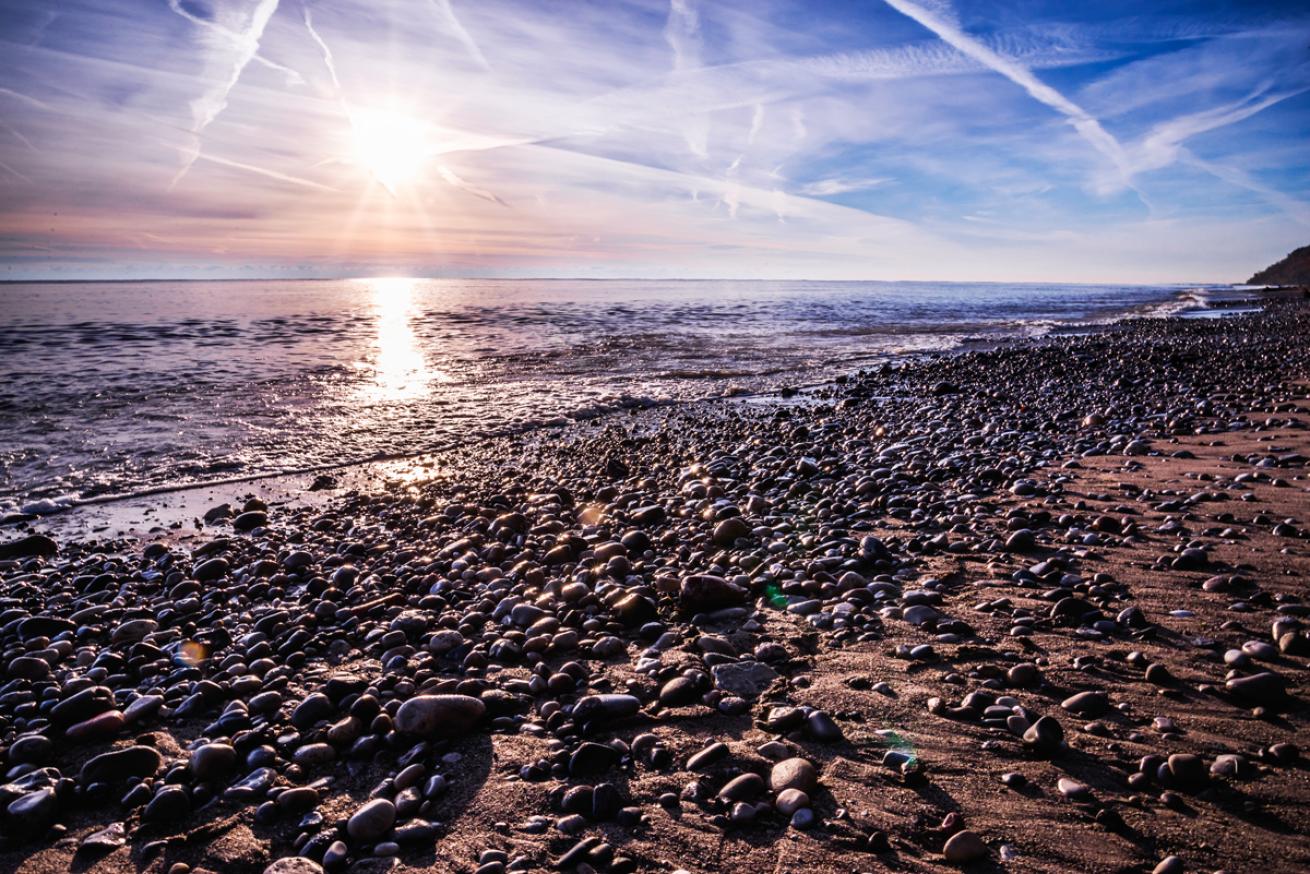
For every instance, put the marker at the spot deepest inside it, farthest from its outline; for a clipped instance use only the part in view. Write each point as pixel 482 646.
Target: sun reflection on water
pixel 400 370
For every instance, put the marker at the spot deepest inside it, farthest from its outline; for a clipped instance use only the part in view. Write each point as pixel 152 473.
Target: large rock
pixel 27 547
pixel 1262 688
pixel 439 715
pixel 121 764
pixel 701 593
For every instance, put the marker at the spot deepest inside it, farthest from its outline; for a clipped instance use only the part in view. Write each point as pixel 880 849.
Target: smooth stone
pixel 1186 769
pixel 730 530
pixel 1087 704
pixel 743 788
pixel 611 706
pixel 313 710
pixel 213 761
pixel 434 716
pixel 592 758
pixel 1073 789
pixel 1024 675
pixel 35 809
pixel 791 800
pixel 170 804
pixel 100 726
pixel 964 847
pixel 31 749
pixel 29 668
pixel 794 773
pixel 1263 688
pixel 1169 865
pixel 211 570
pixel 121 764
pixel 250 521
pixel 703 593
pixel 1045 736
pixel 708 756
pixel 372 821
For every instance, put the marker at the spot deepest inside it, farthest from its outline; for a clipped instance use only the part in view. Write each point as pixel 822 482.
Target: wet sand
pixel 906 577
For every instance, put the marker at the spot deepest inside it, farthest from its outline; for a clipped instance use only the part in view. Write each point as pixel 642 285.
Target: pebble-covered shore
pixel 1040 608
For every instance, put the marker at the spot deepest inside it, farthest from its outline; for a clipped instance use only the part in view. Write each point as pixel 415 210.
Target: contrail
pixel 1161 146
pixel 271 174
pixel 208 107
pixel 323 47
pixel 18 135
pixel 8 169
pixel 452 178
pixel 18 95
pixel 447 12
pixel 1297 210
pixel 1088 127
pixel 235 36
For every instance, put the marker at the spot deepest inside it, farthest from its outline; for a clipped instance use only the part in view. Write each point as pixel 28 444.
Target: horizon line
pixel 352 277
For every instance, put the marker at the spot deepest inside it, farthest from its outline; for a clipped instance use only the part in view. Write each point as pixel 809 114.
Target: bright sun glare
pixel 390 145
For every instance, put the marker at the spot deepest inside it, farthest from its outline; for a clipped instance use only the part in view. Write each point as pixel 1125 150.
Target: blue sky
pixel 897 139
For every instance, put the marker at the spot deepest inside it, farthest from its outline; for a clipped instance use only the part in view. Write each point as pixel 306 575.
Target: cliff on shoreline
pixel 1292 270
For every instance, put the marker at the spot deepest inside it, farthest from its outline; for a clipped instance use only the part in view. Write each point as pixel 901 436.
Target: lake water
pixel 114 388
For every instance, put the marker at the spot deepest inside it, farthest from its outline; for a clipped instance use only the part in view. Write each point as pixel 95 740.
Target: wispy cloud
pixel 684 37
pixel 236 45
pixel 669 137
pixel 839 185
pixel 1090 128
pixel 446 12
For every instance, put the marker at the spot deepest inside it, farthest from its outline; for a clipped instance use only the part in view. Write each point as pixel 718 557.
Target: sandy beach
pixel 1036 607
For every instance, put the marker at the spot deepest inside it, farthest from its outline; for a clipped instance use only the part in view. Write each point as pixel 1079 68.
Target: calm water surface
pixel 110 388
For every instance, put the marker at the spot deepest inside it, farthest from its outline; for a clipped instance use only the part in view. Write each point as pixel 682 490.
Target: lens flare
pixel 192 653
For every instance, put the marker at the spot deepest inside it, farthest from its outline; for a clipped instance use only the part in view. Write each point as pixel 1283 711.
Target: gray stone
pixel 744 679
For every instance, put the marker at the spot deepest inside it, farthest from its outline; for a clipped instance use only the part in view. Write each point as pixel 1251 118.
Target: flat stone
pixel 121 764
pixel 747 679
pixel 611 706
pixel 439 715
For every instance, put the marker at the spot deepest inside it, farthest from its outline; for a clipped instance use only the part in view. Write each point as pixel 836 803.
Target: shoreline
pixel 287 484
pixel 1214 301
pixel 904 578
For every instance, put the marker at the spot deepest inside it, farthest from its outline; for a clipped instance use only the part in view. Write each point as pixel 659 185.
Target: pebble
pixel 794 773
pixel 576 621
pixel 372 821
pixel 964 847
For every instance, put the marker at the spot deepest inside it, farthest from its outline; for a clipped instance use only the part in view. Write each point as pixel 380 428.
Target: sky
pixel 888 139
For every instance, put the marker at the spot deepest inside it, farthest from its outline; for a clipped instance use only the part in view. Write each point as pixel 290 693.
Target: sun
pixel 392 146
